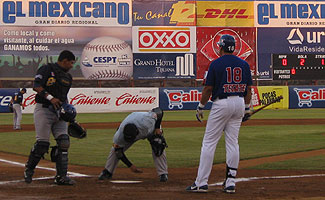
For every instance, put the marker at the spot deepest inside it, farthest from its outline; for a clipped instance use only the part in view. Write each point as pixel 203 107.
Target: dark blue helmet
pixel 24 90
pixel 68 112
pixel 159 113
pixel 227 43
pixel 130 132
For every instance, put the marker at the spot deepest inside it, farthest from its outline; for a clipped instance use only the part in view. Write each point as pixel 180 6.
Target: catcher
pixel 136 126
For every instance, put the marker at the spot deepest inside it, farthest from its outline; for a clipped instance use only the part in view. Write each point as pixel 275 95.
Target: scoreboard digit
pixel 298 66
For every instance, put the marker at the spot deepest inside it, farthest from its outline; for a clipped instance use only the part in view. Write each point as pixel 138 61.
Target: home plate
pixel 124 181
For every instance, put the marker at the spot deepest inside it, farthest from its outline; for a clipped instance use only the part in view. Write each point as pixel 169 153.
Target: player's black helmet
pixel 24 90
pixel 130 132
pixel 68 112
pixel 227 43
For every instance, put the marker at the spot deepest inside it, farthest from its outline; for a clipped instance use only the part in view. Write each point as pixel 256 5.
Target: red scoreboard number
pixel 298 66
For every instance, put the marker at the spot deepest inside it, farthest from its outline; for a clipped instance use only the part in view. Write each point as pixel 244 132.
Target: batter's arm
pixel 248 96
pixel 206 93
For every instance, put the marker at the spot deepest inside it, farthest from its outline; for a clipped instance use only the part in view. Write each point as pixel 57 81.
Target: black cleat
pixel 195 188
pixel 230 189
pixel 163 178
pixel 105 174
pixel 28 175
pixel 63 180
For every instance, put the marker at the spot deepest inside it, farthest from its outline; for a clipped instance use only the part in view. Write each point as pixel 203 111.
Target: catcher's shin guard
pixel 63 143
pixel 37 152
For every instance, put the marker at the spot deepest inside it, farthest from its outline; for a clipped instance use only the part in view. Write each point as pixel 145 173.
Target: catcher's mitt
pixel 75 130
pixel 158 143
pixel 10 106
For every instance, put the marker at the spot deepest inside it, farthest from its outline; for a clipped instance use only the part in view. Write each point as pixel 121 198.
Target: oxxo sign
pixel 164 39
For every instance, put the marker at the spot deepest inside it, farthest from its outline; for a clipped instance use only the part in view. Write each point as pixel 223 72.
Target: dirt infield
pixel 260 184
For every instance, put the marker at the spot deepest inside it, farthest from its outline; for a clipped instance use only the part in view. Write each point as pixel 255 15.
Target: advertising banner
pixel 307 97
pixel 181 98
pixel 101 52
pixel 163 39
pixel 5 98
pixel 164 66
pixel 164 13
pixel 66 13
pixel 207 49
pixel 95 100
pixel 225 13
pixel 262 95
pixel 286 41
pixel 290 14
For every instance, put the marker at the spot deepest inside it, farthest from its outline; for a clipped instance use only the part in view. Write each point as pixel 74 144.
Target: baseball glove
pixel 76 130
pixel 158 144
pixel 10 106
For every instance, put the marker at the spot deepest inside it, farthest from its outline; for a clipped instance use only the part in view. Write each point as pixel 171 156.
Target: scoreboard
pixel 298 66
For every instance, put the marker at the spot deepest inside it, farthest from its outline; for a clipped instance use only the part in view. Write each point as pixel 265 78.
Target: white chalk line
pixel 71 174
pixel 269 177
pixel 74 174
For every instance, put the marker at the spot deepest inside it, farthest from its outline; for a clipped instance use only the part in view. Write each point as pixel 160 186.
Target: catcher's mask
pixel 130 132
pixel 68 112
pixel 159 112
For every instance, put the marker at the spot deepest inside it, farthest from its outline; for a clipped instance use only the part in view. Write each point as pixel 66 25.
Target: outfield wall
pixel 95 100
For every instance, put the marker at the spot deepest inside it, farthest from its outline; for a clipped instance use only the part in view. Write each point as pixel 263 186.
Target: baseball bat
pixel 278 99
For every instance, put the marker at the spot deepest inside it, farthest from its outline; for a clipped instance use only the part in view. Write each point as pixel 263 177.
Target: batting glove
pixel 247 113
pixel 199 112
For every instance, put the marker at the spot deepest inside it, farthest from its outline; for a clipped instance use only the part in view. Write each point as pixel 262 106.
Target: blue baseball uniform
pixel 229 76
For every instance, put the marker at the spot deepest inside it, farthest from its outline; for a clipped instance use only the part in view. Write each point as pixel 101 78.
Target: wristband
pixel 201 106
pixel 49 97
pixel 247 106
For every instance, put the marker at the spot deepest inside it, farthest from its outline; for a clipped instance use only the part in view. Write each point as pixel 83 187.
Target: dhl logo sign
pixel 225 13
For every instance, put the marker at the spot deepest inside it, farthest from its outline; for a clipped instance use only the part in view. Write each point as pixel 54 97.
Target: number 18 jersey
pixel 229 75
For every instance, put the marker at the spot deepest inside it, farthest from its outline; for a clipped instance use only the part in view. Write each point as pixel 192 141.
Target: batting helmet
pixel 159 112
pixel 68 112
pixel 227 43
pixel 24 90
pixel 130 132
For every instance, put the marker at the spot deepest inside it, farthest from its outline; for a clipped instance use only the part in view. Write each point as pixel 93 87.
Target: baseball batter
pixel 229 84
pixel 52 84
pixel 136 126
pixel 17 106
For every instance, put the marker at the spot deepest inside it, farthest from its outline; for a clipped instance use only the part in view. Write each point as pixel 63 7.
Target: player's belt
pixel 45 105
pixel 226 97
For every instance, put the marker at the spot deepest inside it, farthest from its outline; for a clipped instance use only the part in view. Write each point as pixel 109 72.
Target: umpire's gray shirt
pixel 145 122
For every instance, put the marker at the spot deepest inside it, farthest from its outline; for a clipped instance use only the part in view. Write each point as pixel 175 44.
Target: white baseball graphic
pixel 107 58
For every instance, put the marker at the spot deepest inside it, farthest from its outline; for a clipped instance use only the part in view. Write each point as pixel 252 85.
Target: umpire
pixel 16 101
pixel 136 126
pixel 52 84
